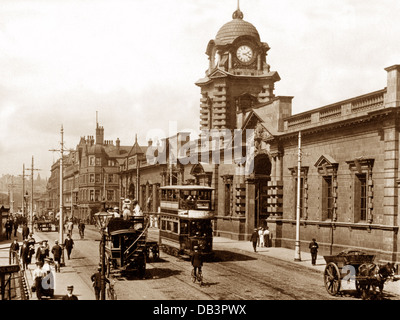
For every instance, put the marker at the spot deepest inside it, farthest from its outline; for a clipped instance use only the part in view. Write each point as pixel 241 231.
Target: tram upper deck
pixel 189 200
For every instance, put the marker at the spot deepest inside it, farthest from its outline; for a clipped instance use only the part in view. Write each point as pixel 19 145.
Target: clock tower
pixel 238 78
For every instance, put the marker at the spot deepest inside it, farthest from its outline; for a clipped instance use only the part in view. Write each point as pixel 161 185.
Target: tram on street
pixel 186 219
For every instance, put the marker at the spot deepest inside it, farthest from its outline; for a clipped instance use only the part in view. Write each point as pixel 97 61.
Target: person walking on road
pixel 197 261
pixel 81 228
pixel 313 246
pixel 96 280
pixel 254 239
pixel 70 295
pixel 68 245
pixel 57 253
pixel 70 226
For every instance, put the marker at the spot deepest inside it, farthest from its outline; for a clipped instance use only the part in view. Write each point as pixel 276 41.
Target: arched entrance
pixel 262 175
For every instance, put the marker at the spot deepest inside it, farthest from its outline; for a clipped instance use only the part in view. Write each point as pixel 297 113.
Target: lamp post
pixel 102 219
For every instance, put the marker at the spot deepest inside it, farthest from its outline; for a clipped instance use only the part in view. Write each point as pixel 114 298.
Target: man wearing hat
pixel 46 266
pixel 57 253
pixel 196 260
pixel 96 280
pixel 313 246
pixel 70 295
pixel 41 252
pixel 81 228
pixel 254 239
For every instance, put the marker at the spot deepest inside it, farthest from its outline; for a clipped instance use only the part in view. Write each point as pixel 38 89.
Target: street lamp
pixel 102 219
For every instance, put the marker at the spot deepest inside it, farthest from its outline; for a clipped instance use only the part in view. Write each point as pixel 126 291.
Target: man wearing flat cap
pixel 70 295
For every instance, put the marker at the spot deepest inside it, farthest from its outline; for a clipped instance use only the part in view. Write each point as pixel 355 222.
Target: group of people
pixel 11 224
pixel 260 238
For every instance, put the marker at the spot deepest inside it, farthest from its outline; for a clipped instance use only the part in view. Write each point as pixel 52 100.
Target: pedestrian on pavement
pixel 254 239
pixel 15 227
pixel 96 281
pixel 14 250
pixel 46 266
pixel 261 237
pixel 70 226
pixel 313 246
pixel 57 253
pixel 41 252
pixel 70 295
pixel 38 275
pixel 24 254
pixel 25 231
pixel 68 245
pixel 8 226
pixel 81 228
pixel 47 247
pixel 266 236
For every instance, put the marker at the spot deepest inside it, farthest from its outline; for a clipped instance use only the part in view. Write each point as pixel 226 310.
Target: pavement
pixel 69 275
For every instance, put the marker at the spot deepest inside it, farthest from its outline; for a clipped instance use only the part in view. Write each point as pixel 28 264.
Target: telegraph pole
pixel 61 222
pixel 297 256
pixel 32 169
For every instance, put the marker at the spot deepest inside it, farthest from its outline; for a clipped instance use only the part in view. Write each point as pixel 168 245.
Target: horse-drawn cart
pixel 44 225
pixel 357 266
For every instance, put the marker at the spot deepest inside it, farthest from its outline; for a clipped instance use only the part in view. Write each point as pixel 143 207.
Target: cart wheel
pixel 332 278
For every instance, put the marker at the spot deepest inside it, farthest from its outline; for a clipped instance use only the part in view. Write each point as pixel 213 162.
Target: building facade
pixel 349 154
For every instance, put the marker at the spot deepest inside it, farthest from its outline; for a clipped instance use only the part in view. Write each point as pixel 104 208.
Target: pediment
pixel 254 121
pixel 325 161
pixel 218 73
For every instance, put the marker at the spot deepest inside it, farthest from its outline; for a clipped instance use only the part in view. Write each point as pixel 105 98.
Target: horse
pixel 375 276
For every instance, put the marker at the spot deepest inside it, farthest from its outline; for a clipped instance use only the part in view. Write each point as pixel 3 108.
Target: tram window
pixel 175 227
pixel 164 225
pixel 184 227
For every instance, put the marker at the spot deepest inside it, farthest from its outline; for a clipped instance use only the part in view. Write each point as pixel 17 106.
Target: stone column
pixel 250 206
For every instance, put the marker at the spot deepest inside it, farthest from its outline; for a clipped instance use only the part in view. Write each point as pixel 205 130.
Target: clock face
pixel 244 53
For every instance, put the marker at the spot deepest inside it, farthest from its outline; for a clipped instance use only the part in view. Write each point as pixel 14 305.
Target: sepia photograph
pixel 199 158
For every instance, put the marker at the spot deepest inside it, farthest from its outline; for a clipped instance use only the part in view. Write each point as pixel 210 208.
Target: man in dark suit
pixel 57 253
pixel 197 261
pixel 25 232
pixel 24 254
pixel 68 245
pixel 254 239
pixel 96 280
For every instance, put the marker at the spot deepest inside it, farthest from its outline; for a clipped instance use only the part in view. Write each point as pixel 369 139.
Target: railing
pixel 365 103
pixel 16 286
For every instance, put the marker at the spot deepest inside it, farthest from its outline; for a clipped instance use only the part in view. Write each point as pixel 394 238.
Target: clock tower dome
pixel 238 77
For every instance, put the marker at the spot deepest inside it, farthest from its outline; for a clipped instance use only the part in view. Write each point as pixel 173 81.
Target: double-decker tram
pixel 186 219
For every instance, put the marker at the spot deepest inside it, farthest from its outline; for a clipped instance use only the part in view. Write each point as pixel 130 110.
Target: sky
pixel 132 65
